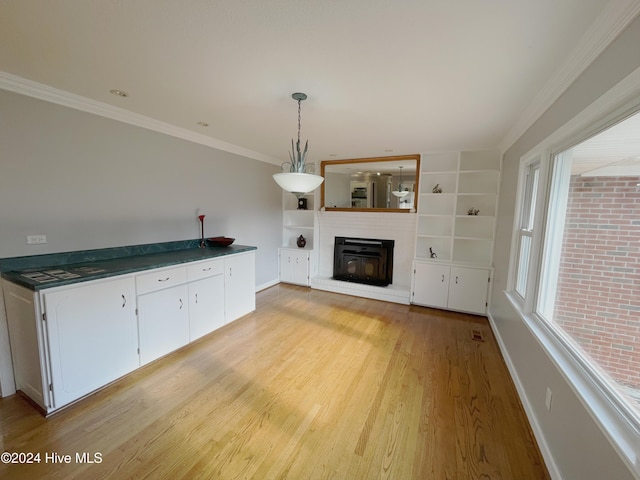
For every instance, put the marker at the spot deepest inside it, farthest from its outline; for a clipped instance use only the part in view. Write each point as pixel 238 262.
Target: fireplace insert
pixel 363 260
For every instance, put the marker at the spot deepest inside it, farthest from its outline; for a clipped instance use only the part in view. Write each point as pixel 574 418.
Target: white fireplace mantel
pixel 400 227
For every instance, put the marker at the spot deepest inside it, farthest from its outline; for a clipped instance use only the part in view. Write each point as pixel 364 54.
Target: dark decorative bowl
pixel 220 241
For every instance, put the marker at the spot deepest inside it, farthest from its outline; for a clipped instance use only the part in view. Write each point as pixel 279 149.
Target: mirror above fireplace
pixel 385 184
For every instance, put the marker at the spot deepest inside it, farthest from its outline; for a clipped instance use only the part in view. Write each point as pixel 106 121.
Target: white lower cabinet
pixel 206 306
pixel 70 340
pixel 239 285
pixel 431 285
pixel 92 337
pixel 163 322
pixel 468 288
pixel 294 266
pixel 451 287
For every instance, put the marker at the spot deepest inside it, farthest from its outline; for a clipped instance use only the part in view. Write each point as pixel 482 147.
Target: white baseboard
pixel 266 285
pixel 533 420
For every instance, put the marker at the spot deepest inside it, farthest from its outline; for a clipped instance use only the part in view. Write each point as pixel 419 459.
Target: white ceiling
pixel 383 77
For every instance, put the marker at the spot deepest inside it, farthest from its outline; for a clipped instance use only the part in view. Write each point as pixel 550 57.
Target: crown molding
pixel 617 15
pixel 50 94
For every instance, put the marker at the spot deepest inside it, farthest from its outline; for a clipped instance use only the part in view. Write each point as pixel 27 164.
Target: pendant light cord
pixel 299 110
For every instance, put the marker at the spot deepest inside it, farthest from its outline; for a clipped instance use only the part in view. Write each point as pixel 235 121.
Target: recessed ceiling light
pixel 333 154
pixel 389 150
pixel 203 124
pixel 119 93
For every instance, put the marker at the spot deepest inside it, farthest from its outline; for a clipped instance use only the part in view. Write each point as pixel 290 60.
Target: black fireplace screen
pixel 363 260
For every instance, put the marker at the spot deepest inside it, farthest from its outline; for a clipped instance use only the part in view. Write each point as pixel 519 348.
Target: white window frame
pixel 526 226
pixel 620 102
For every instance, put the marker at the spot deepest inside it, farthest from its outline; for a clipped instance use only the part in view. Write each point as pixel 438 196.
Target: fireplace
pixel 363 260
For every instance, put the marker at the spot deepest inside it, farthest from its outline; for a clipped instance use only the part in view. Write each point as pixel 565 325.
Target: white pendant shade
pixel 400 194
pixel 298 183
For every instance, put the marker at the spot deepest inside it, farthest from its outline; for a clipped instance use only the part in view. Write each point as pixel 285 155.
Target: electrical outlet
pixel 36 239
pixel 547 399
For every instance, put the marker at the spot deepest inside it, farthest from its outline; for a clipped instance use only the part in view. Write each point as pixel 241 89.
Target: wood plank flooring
pixel 313 385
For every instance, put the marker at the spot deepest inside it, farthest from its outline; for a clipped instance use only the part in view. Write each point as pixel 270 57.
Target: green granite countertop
pixel 53 270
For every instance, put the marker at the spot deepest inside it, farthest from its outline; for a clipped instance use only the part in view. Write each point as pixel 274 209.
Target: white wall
pixel 578 447
pixel 90 182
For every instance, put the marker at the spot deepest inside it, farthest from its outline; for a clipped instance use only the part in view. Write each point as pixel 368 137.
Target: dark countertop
pixel 53 272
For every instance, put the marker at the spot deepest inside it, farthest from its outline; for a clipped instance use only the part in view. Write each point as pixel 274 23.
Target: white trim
pixel 616 16
pixel 538 433
pixel 50 94
pixel 550 249
pixel 596 117
pixel 266 285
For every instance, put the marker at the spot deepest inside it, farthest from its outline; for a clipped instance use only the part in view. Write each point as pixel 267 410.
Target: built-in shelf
pixel 298 264
pixel 458 221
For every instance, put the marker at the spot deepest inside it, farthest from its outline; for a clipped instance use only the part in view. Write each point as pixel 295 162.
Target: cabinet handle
pixel 124 301
pixel 230 272
pixel 206 269
pixel 443 278
pixel 180 304
pixel 297 259
pixel 196 298
pixel 161 280
pixel 456 279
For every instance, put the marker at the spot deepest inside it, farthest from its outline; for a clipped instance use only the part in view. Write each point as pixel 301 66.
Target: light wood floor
pixel 311 385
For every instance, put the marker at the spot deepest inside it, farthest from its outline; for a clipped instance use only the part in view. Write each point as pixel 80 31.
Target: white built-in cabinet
pixel 163 320
pixel 431 285
pixel 71 340
pixel 206 297
pixel 92 337
pixel 163 314
pixel 297 264
pixel 455 231
pixel 294 266
pixel 239 285
pixel 457 288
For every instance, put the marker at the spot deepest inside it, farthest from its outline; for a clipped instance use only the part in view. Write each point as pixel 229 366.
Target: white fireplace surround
pixel 400 227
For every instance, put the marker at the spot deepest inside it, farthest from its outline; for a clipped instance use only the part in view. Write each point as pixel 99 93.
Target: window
pixel 575 266
pixel 525 232
pixel 590 280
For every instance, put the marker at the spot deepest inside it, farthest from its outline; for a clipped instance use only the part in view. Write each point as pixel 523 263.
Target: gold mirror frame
pixel 356 161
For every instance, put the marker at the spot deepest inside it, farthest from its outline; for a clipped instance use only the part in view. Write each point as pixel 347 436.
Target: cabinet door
pixel 286 267
pixel 239 285
pixel 301 268
pixel 294 267
pixel 92 335
pixel 206 306
pixel 163 322
pixel 468 289
pixel 431 285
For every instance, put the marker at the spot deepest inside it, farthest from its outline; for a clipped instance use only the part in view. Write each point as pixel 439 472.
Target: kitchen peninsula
pixel 80 320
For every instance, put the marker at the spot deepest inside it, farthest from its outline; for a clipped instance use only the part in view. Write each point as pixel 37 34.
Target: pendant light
pixel 297 177
pixel 400 193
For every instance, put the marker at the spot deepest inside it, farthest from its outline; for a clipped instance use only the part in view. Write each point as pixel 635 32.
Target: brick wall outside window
pixel 598 296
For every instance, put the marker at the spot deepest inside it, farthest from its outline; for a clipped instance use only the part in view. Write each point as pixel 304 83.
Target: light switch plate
pixel 36 239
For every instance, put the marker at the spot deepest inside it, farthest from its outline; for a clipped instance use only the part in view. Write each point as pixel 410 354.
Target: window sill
pixel 620 431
